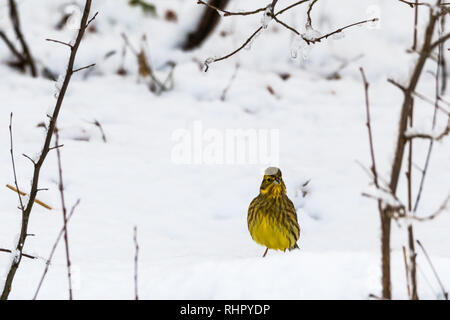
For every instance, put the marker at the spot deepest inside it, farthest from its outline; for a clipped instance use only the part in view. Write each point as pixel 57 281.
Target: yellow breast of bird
pixel 273 226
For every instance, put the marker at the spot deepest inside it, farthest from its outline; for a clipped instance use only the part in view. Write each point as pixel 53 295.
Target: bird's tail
pixel 295 246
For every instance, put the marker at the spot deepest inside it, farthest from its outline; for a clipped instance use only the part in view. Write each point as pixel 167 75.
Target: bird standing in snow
pixel 272 219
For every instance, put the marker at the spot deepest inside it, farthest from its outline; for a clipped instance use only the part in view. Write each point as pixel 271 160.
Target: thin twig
pixel 52 252
pixel 229 13
pixel 87 67
pixel 233 77
pixel 99 126
pixel 405 259
pixel 60 42
pixel 421 96
pixel 373 168
pixel 308 13
pixel 11 150
pixel 341 29
pixel 136 257
pixel 444 292
pixel 23 254
pixel 64 212
pixel 384 214
pixel 412 4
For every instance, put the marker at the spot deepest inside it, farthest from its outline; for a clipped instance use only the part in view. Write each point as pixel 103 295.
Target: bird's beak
pixel 276 181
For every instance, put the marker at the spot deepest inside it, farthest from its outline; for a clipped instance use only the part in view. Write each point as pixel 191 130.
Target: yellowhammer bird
pixel 272 220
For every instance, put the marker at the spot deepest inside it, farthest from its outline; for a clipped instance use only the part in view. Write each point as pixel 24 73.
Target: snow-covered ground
pixel 191 218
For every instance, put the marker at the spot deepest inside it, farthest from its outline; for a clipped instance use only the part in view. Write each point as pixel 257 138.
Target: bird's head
pixel 272 184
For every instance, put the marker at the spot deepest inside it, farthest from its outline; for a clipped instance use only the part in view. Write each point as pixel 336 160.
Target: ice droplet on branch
pixel 207 62
pixel 338 36
pixel 311 33
pixel 250 43
pixel 58 86
pixel 299 49
pixel 267 17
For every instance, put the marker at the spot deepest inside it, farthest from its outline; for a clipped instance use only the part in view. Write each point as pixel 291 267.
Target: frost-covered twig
pixel 308 13
pixel 227 13
pixel 269 11
pixel 432 136
pixel 326 36
pixel 45 150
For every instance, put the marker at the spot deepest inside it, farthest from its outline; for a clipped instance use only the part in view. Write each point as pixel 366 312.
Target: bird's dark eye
pixel 269 179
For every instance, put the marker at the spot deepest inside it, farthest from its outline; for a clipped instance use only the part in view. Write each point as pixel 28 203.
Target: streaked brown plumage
pixel 272 219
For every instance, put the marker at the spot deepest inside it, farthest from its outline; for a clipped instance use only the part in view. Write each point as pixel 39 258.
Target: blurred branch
pixel 26 54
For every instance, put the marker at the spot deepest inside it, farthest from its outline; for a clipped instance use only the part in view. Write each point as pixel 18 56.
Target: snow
pixel 191 218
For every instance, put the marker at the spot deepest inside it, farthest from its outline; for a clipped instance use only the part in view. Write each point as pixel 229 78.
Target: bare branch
pixel 373 168
pixel 412 4
pixel 233 77
pixel 11 150
pixel 64 212
pixel 309 21
pixel 405 259
pixel 11 47
pixel 87 67
pixel 60 42
pixel 229 13
pixel 90 20
pixel 29 158
pixel 23 254
pixel 444 292
pixel 99 126
pixel 52 252
pixel 45 150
